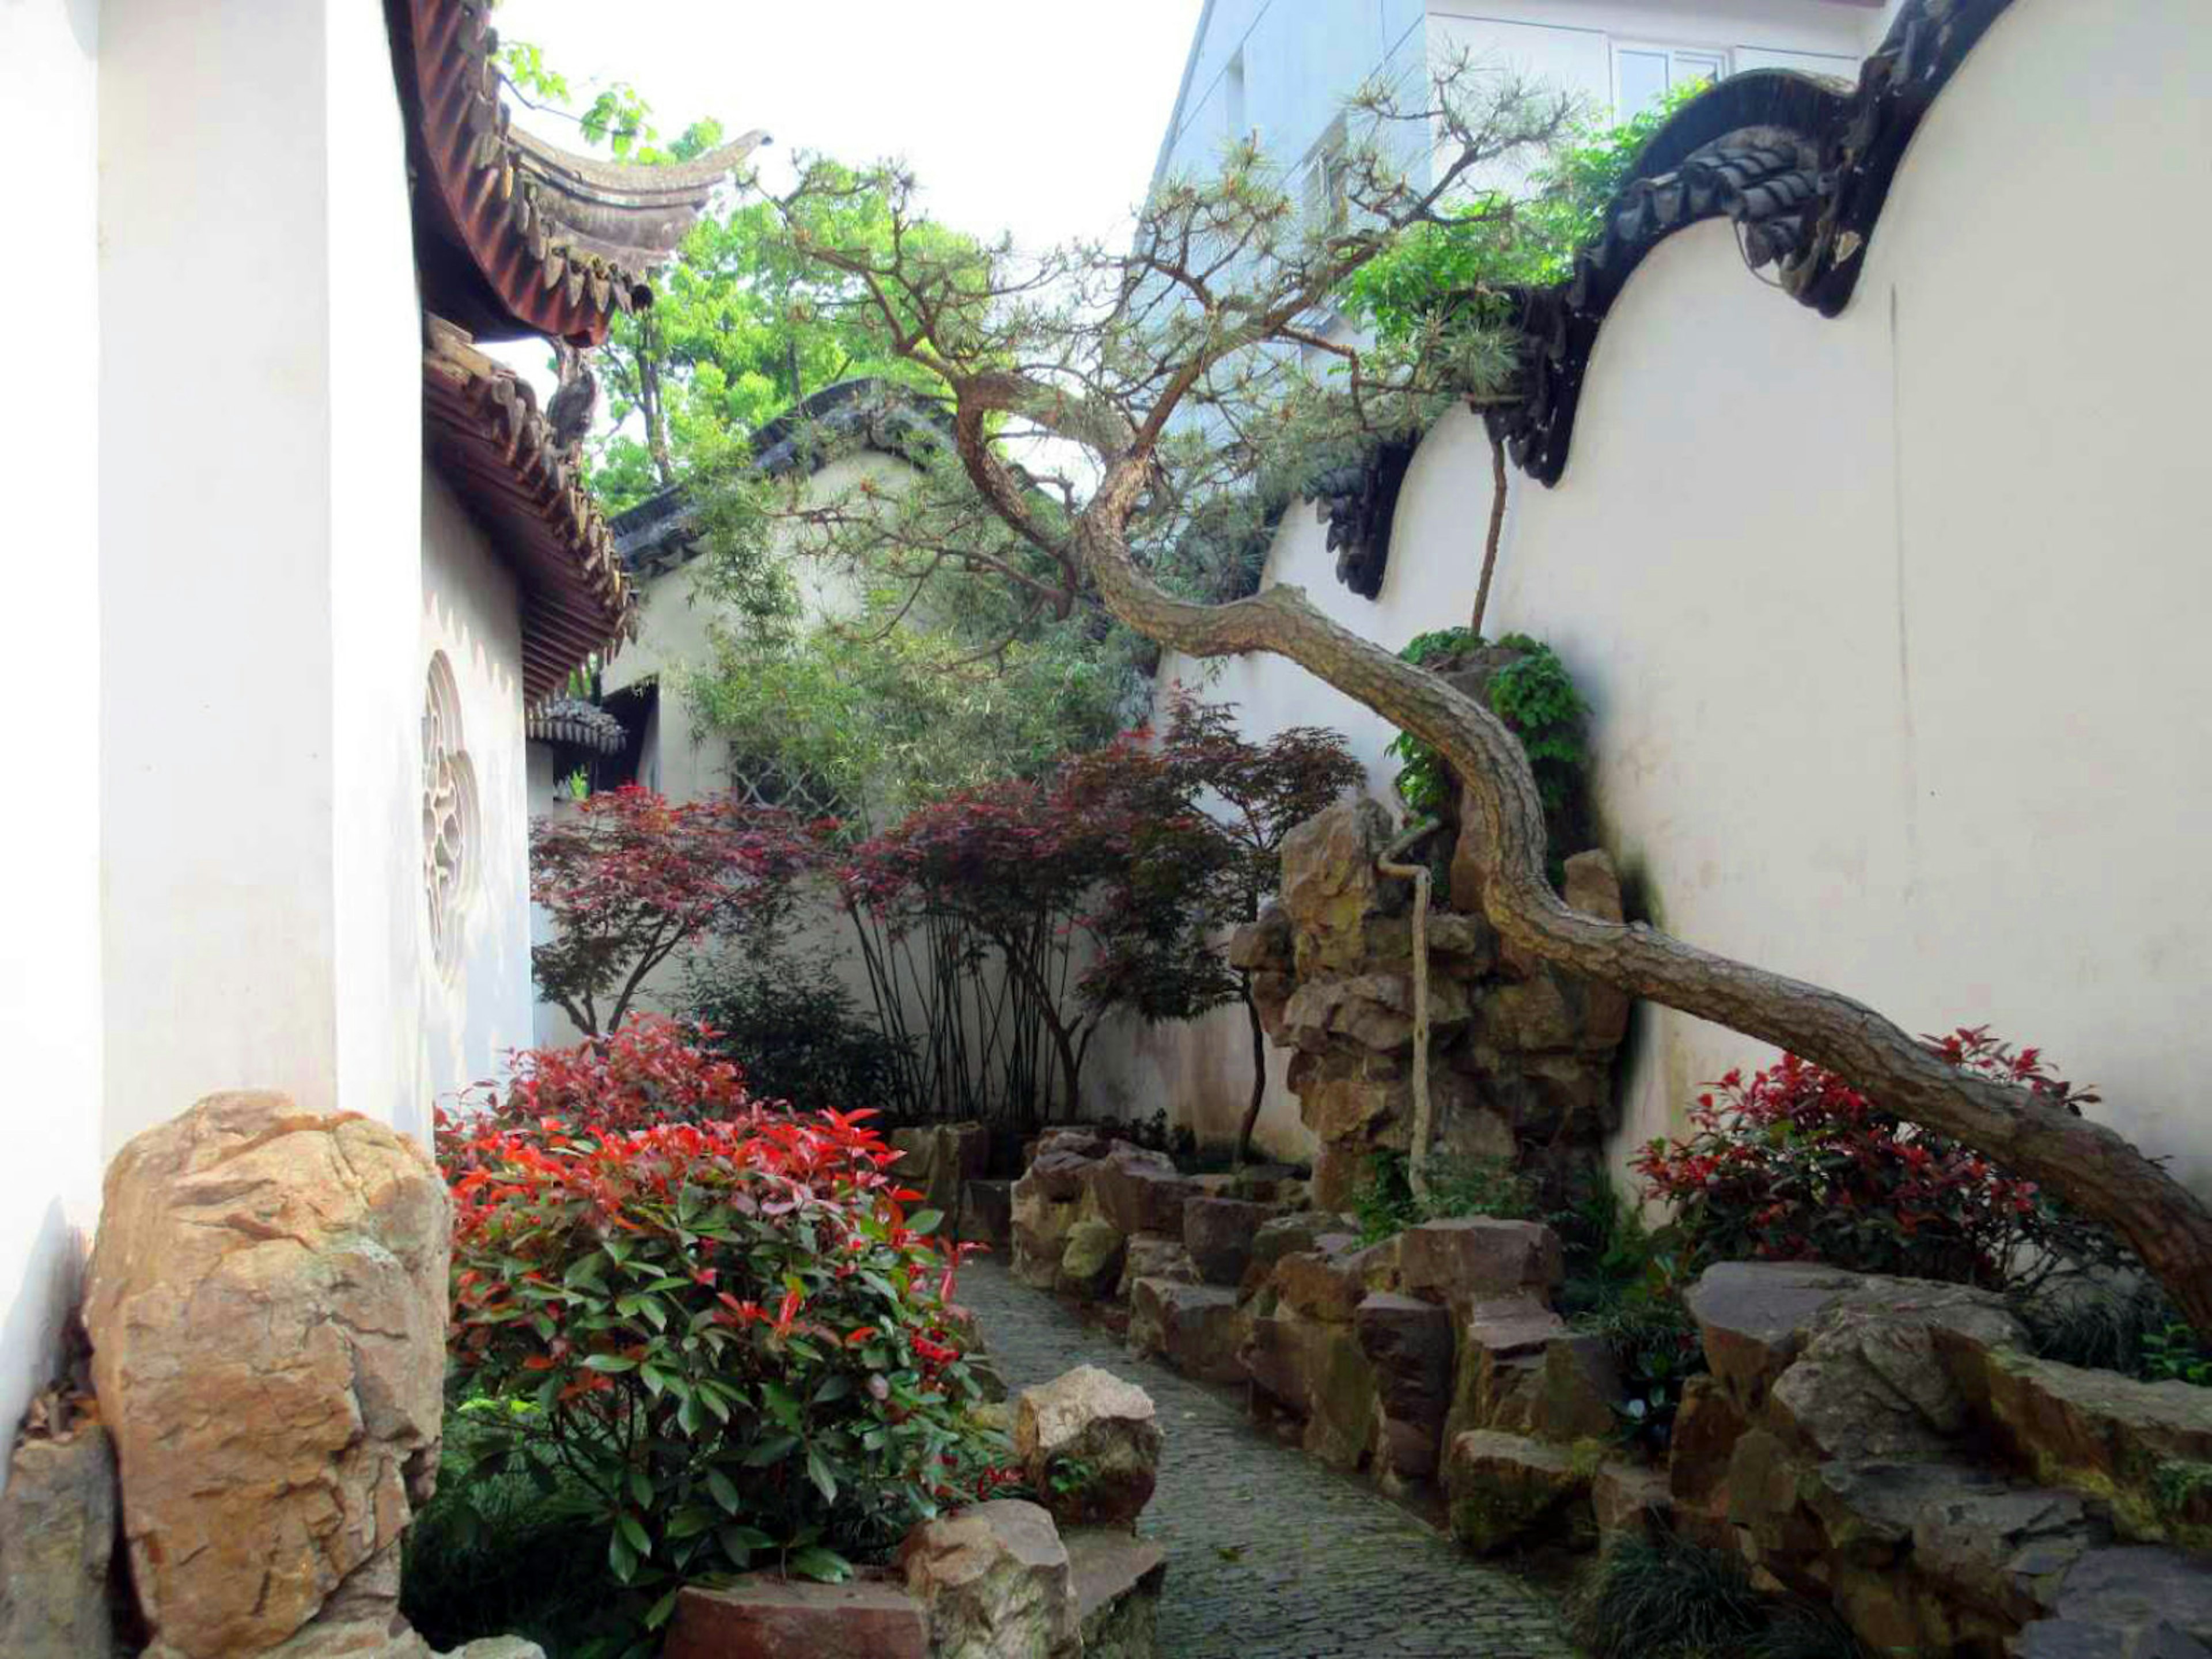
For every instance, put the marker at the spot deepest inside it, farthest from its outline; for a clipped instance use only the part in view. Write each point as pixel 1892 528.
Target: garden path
pixel 1270 1554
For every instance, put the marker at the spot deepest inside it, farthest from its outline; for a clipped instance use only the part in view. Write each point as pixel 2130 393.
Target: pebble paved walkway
pixel 1271 1555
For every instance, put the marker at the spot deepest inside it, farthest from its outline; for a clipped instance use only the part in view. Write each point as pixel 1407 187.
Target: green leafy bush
pixel 1624 1283
pixel 725 1330
pixel 794 1028
pixel 1385 1205
pixel 1536 698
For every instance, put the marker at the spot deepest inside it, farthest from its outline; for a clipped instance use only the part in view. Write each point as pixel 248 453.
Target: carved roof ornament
pixel 515 235
pixel 574 723
pixel 1801 165
pixel 1357 503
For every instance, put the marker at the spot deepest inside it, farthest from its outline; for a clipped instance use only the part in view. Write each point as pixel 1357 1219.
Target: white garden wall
pixel 50 1022
pixel 477 1006
pixel 1894 624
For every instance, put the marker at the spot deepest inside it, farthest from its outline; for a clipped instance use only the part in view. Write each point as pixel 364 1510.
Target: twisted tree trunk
pixel 2088 1165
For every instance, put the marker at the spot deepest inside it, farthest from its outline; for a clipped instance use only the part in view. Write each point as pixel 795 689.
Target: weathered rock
pixel 267 1306
pixel 1707 1425
pixel 1263 946
pixel 1630 1498
pixel 994 1583
pixel 1091 1418
pixel 1047 1201
pixel 1498 1346
pixel 1219 1233
pixel 1571 1396
pixel 765 1617
pixel 1287 1234
pixel 1375 1010
pixel 1117 1581
pixel 1473 1259
pixel 939 1160
pixel 1090 1261
pixel 987 1213
pixel 57 1527
pixel 1873 1379
pixel 1154 1256
pixel 1328 1281
pixel 1317 1373
pixel 1756 1317
pixel 1504 1490
pixel 1967 1536
pixel 2146 1448
pixel 1408 1344
pixel 1140 1191
pixel 1199 1329
pixel 1330 884
pixel 2127 1603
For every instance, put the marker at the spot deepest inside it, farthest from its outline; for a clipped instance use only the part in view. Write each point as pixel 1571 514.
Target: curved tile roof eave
pixel 518 235
pixel 1801 166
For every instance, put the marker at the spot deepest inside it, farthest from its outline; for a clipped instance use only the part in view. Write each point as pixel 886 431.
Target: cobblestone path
pixel 1271 1555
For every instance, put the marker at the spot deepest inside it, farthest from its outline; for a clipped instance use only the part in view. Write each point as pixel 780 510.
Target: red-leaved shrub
pixel 721 1318
pixel 1796 1165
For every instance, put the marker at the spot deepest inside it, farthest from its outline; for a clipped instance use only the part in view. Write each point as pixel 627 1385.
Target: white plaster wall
pixel 473 1015
pixel 49 1020
pixel 260 406
pixel 1893 625
pixel 1896 624
pixel 378 578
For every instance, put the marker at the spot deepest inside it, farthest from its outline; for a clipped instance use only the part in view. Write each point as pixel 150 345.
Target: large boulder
pixel 1504 1490
pixel 994 1583
pixel 1199 1329
pixel 1219 1232
pixel 1630 1499
pixel 57 1526
pixel 1140 1191
pixel 2146 1448
pixel 1874 1376
pixel 267 1304
pixel 1090 1444
pixel 1472 1258
pixel 1286 1234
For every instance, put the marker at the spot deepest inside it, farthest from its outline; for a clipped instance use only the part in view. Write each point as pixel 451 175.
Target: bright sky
pixel 1038 116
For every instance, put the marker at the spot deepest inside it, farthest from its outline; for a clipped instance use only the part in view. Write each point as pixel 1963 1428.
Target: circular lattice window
pixel 450 829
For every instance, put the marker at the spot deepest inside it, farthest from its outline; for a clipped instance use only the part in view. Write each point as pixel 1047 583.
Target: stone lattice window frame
pixel 453 826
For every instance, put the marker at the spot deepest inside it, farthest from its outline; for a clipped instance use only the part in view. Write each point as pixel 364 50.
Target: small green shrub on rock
pixel 1385 1204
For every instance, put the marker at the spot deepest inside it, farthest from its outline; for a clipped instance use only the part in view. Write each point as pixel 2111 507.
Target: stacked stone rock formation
pixel 1521 1062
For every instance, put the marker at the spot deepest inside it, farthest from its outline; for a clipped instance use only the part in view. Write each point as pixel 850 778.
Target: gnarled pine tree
pixel 1127 422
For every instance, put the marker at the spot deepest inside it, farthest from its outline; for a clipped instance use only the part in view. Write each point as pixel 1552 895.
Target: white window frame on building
pixel 1325 181
pixel 1683 63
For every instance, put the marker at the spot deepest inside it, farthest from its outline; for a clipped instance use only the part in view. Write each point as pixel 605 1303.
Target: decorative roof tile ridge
pixel 1801 166
pixel 562 242
pixel 483 428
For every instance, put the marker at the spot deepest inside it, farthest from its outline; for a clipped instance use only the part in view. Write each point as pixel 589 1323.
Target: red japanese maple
pixel 631 877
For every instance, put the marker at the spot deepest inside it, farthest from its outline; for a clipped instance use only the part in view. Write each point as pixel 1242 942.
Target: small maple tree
pixel 631 877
